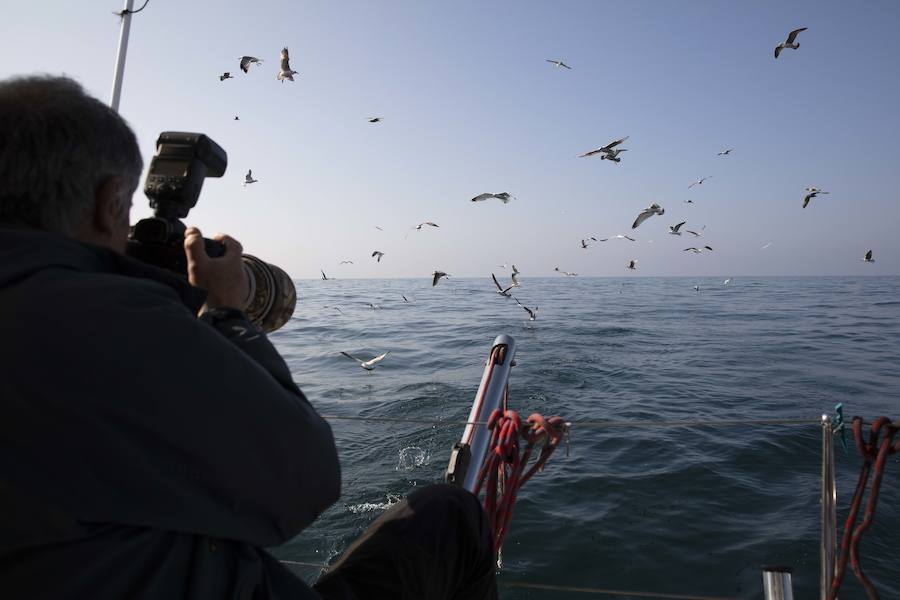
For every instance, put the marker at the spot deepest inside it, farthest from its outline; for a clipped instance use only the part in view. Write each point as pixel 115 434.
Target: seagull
pixel 377 254
pixel 566 273
pixel 607 149
pixel 694 233
pixel 766 246
pixel 725 152
pixel 631 264
pixel 437 277
pixel 237 118
pixel 688 201
pixel 868 258
pixel 515 270
pixel 584 243
pixel 653 209
pixel 248 178
pixel 246 60
pixel 419 226
pixel 378 228
pixel 613 155
pixel 698 250
pixel 532 314
pixel 346 262
pixel 502 196
pixel 226 75
pixel 559 63
pixel 404 298
pixel 337 308
pixel 286 72
pixel 324 278
pixel 674 229
pixel 372 306
pixel 514 280
pixel 813 192
pixel 789 42
pixel 501 290
pixel 618 237
pixel 697 288
pixel 368 365
pixel 374 119
pixel 727 281
pixel 700 182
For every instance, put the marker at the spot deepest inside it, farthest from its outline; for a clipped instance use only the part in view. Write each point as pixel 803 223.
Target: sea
pixel 638 505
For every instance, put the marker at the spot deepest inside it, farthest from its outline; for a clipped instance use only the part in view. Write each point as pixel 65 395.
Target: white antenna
pixel 120 61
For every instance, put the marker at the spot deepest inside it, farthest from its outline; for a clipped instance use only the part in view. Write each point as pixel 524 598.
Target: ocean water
pixel 691 510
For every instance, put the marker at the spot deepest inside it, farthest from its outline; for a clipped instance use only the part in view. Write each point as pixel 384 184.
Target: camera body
pixel 177 170
pixel 181 163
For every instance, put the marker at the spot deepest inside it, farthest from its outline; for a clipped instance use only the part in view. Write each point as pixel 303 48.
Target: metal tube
pixel 777 583
pixel 120 60
pixel 489 397
pixel 829 515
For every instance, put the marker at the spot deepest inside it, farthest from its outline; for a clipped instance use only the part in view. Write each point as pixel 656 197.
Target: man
pixel 146 452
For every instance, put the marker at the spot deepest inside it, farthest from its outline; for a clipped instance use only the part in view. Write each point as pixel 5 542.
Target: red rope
pixel 873 453
pixel 505 469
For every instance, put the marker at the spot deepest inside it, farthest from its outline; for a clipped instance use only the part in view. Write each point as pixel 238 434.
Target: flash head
pixel 181 163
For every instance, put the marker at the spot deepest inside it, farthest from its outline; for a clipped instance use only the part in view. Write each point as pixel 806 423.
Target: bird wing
pixel 708 248
pixel 437 276
pixel 555 62
pixel 562 64
pixel 591 152
pixel 378 358
pixel 514 280
pixel 869 255
pixel 350 356
pixel 245 63
pixel 643 216
pixel 430 223
pixel 807 199
pixel 481 197
pixel 249 175
pixel 323 275
pixel 777 50
pixel 691 248
pixel 611 145
pixel 285 60
pixel 497 283
pixel 694 233
pixel 677 227
pixel 792 35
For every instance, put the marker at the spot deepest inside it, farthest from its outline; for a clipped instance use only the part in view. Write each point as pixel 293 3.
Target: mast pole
pixel 120 60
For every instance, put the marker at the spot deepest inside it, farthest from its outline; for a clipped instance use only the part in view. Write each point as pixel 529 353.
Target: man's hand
pixel 224 277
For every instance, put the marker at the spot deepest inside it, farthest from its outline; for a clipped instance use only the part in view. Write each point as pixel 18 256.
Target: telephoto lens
pixel 272 296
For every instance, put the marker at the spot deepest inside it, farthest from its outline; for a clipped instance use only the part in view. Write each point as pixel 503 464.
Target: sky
pixel 470 105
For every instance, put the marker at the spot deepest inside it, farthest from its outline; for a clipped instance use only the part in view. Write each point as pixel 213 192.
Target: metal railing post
pixel 777 583
pixel 468 454
pixel 829 515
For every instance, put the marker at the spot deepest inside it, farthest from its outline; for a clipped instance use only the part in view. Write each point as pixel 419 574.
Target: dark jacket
pixel 144 453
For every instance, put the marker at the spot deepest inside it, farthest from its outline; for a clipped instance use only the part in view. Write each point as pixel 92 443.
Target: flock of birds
pixel 610 152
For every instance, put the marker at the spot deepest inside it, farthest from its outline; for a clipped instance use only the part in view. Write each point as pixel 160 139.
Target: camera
pixel 177 170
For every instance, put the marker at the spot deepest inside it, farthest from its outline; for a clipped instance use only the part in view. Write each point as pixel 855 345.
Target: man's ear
pixel 107 206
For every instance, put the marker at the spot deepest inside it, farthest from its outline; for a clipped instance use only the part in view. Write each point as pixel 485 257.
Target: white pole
pixel 120 61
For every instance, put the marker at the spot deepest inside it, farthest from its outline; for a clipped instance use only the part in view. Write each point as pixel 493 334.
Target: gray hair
pixel 58 145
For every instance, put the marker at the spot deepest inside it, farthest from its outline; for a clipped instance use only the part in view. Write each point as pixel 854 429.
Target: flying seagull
pixel 699 182
pixel 725 152
pixel 653 209
pixel 688 201
pixel 246 60
pixel 404 298
pixel 566 273
pixel 674 229
pixel 500 289
pixel 324 278
pixel 607 149
pixel 766 245
pixel 286 72
pixel 248 178
pixel 372 306
pixel 378 228
pixel 727 281
pixel 697 288
pixel 532 314
pixel 698 250
pixel 584 243
pixel 374 119
pixel 429 223
pixel 377 255
pixel 812 193
pixel 789 42
pixel 368 365
pixel 868 258
pixel 631 264
pixel 226 75
pixel 502 196
pixel 558 63
pixel 693 233
pixel 513 277
pixel 436 276
pixel 618 236
pixel 237 118
pixel 346 262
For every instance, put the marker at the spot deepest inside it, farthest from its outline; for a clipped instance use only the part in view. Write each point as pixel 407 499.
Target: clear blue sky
pixel 470 105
